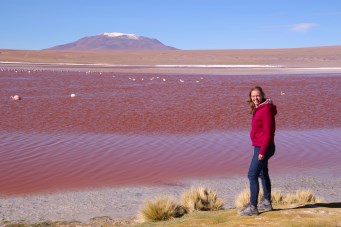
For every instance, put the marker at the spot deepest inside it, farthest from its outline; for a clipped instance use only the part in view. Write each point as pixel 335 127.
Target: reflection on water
pixel 32 162
pixel 135 129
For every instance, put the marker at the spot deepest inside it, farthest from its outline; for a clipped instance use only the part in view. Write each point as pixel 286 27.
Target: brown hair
pixel 252 105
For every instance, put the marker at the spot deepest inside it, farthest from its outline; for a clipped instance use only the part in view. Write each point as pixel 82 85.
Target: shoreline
pixel 125 202
pixel 190 69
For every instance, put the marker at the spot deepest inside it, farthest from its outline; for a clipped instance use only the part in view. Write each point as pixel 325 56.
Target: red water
pixel 124 129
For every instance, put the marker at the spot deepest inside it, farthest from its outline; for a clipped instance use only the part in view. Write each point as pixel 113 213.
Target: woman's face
pixel 256 97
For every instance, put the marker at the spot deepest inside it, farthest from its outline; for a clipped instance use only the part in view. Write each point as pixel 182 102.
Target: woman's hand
pixel 260 157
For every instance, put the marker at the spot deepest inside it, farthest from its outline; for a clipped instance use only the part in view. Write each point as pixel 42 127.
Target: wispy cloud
pixel 302 27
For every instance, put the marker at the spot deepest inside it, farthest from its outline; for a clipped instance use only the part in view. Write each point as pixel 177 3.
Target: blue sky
pixel 183 24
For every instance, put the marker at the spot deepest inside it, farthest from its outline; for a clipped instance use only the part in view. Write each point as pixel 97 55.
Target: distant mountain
pixel 114 41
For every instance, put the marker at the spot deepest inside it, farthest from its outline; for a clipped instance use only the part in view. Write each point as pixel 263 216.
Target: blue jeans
pixel 260 169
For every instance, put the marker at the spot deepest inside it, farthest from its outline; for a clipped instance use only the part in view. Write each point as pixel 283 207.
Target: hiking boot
pixel 264 204
pixel 249 210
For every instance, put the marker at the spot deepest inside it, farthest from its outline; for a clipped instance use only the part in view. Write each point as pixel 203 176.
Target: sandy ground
pixel 308 57
pixel 313 56
pixel 126 202
pixel 265 61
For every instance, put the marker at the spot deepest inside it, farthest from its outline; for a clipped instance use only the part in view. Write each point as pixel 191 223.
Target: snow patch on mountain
pixel 118 34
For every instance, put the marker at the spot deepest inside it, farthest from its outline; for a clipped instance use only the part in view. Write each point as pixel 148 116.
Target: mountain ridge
pixel 114 41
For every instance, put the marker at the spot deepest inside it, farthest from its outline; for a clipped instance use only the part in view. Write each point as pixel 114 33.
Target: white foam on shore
pixel 180 66
pixel 220 66
pixel 170 66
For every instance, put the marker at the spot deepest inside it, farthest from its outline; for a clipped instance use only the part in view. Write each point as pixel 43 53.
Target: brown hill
pixel 329 56
pixel 114 41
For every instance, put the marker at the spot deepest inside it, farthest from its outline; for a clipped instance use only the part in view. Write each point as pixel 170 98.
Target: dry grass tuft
pixel 161 209
pixel 289 199
pixel 201 199
pixel 277 196
pixel 302 196
pixel 244 198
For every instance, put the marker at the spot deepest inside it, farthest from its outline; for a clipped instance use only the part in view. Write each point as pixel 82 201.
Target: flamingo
pixel 16 97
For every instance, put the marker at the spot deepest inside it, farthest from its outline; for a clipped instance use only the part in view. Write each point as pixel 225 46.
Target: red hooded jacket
pixel 263 126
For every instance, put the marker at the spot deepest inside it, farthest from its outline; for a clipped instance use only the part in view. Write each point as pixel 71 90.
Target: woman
pixel 262 137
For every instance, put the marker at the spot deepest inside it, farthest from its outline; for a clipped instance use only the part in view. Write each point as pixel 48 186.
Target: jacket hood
pixel 270 106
